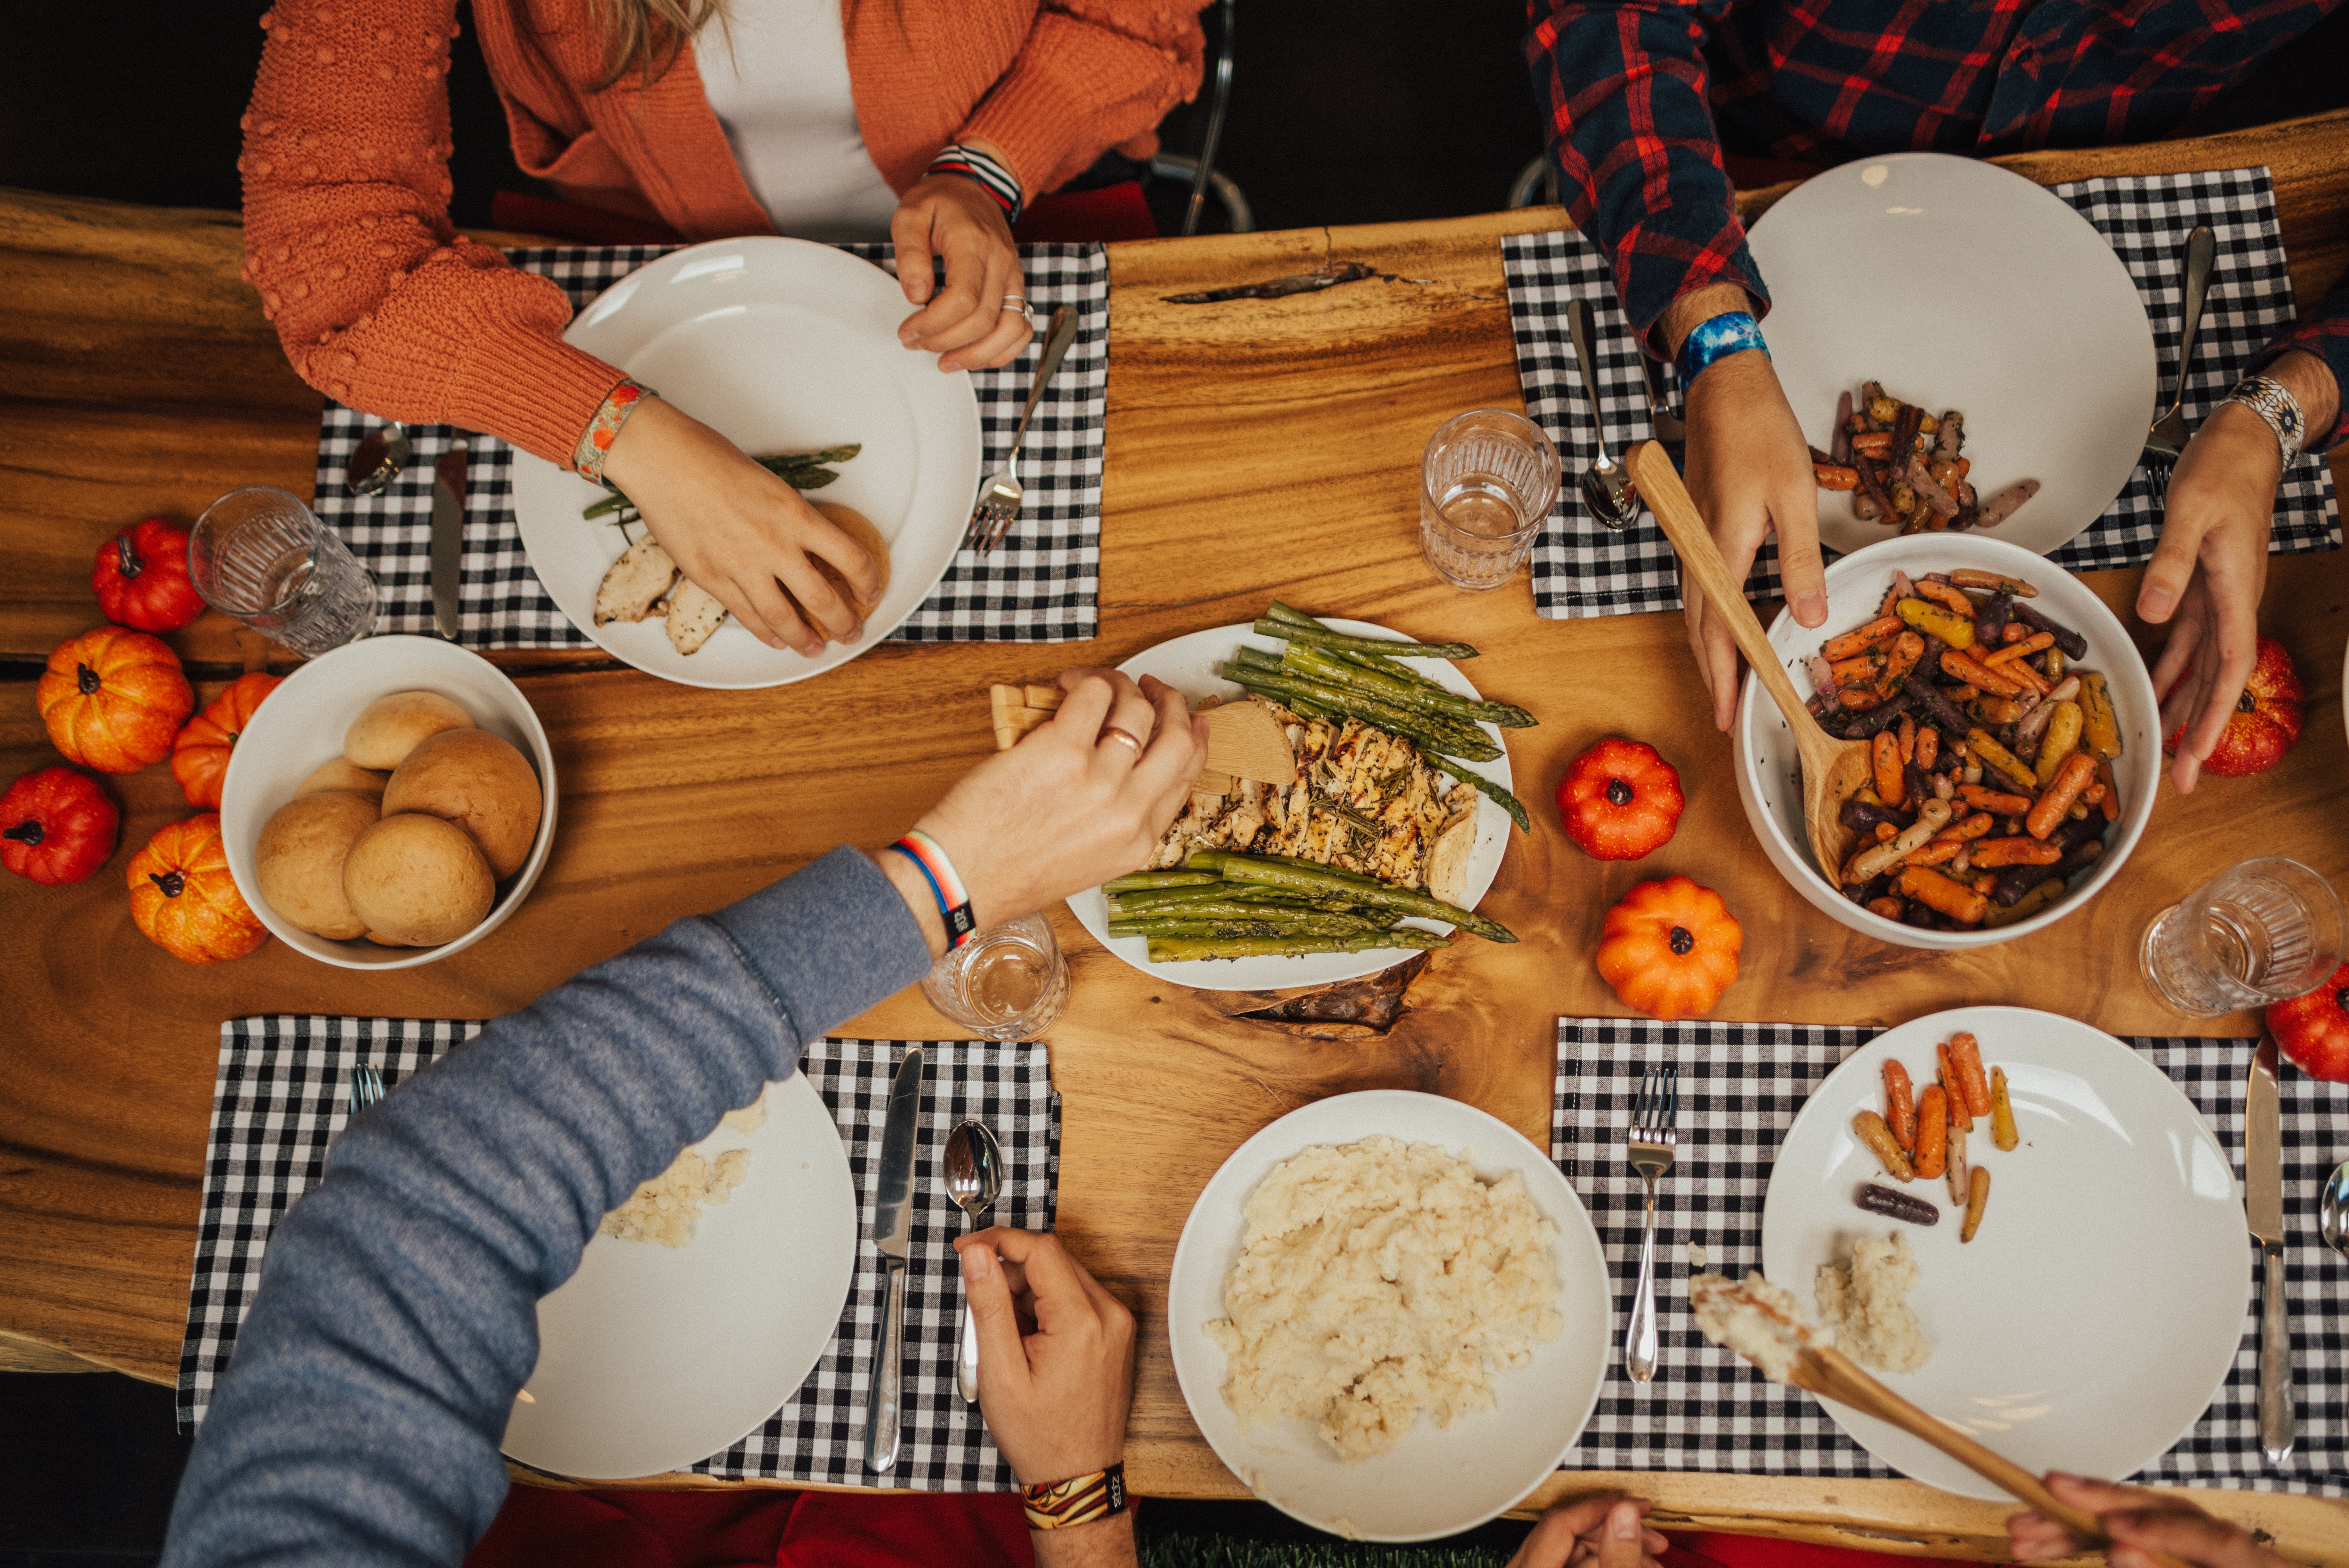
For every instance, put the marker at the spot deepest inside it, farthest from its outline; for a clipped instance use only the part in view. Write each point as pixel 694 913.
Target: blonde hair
pixel 646 34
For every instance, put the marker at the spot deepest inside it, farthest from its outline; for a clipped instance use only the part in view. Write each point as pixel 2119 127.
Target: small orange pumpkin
pixel 183 898
pixel 113 699
pixel 199 756
pixel 1670 949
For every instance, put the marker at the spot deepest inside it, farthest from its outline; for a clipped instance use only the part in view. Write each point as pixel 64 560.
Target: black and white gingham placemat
pixel 1041 584
pixel 1581 569
pixel 1740 1087
pixel 280 1099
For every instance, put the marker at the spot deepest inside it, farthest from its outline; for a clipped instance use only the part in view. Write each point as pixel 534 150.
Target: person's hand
pixel 2211 565
pixel 1055 1355
pixel 1072 804
pixel 951 221
pixel 737 531
pixel 1601 1531
pixel 2140 1523
pixel 1749 472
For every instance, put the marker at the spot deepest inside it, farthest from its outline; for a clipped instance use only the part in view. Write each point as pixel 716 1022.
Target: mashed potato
pixel 1377 1280
pixel 1862 1301
pixel 666 1208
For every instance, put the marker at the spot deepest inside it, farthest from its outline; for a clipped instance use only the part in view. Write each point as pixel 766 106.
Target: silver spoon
pixel 1606 488
pixel 974 1174
pixel 381 454
pixel 2332 1209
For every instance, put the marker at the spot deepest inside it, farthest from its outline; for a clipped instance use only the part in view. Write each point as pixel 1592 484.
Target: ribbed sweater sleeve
pixel 1093 75
pixel 360 1418
pixel 380 303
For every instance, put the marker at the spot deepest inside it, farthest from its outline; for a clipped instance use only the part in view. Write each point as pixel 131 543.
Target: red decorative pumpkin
pixel 141 578
pixel 2266 722
pixel 184 900
pixel 113 700
pixel 199 756
pixel 1670 949
pixel 1620 799
pixel 57 826
pixel 2313 1030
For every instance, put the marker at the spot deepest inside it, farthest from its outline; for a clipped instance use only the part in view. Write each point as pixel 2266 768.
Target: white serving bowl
pixel 301 726
pixel 1768 778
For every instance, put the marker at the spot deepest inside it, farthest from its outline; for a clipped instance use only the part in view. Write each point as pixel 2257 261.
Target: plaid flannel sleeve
pixel 2323 332
pixel 1622 87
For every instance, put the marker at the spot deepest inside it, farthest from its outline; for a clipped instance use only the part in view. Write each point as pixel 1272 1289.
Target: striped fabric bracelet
pixel 1732 332
pixel 604 428
pixel 993 178
pixel 1080 1499
pixel 945 885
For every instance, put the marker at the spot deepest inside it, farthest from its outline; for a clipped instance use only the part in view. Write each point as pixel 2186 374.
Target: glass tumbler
pixel 1486 487
pixel 1008 982
pixel 2262 931
pixel 262 556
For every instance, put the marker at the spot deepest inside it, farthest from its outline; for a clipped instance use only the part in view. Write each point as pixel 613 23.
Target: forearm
pixel 1104 1543
pixel 2321 337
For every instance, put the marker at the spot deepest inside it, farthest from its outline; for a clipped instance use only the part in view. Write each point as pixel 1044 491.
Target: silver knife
pixel 448 537
pixel 892 1228
pixel 2263 1208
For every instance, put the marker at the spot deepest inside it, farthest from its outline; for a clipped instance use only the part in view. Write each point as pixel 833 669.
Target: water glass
pixel 1007 982
pixel 262 556
pixel 1486 487
pixel 2268 930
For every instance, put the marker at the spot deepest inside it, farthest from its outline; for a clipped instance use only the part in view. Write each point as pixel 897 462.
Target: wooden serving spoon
pixel 1833 771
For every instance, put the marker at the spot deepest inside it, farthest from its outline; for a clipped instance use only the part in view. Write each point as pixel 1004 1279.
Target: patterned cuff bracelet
pixel 604 428
pixel 1732 332
pixel 945 885
pixel 2271 402
pixel 993 178
pixel 1080 1499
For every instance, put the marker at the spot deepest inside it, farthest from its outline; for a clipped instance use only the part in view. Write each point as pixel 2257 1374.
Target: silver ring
pixel 1114 733
pixel 1026 311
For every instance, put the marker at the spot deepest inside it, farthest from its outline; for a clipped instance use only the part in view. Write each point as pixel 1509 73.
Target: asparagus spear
pixel 1317 664
pixel 1249 909
pixel 1135 880
pixel 1448 736
pixel 810 459
pixel 1212 859
pixel 1272 873
pixel 1484 785
pixel 1182 949
pixel 806 479
pixel 1345 643
pixel 1294 925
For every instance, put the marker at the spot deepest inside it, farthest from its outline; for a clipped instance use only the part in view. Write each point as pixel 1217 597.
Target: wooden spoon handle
pixel 1660 486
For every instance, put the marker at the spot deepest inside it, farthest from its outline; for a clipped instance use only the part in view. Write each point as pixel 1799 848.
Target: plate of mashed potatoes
pixel 1390 1316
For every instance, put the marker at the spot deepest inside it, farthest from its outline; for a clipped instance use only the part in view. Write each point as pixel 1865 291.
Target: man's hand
pixel 2211 565
pixel 1596 1532
pixel 2140 1523
pixel 737 531
pixel 1749 472
pixel 949 220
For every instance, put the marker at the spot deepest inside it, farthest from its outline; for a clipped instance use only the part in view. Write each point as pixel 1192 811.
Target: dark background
pixel 1342 111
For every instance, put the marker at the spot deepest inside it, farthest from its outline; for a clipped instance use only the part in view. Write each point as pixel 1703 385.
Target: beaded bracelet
pixel 1080 1499
pixel 1732 332
pixel 604 428
pixel 2275 405
pixel 945 885
pixel 992 177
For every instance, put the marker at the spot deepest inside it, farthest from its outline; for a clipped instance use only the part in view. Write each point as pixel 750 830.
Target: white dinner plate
pixel 1960 286
pixel 652 1357
pixel 1189 665
pixel 782 345
pixel 2049 1345
pixel 1432 1482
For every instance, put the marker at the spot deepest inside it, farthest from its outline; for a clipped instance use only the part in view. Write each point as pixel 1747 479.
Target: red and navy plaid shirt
pixel 1640 95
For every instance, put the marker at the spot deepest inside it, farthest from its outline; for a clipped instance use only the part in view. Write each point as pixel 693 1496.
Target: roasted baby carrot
pixel 1993 755
pixel 1835 477
pixel 1899 1103
pixel 1892 782
pixel 1965 1056
pixel 1873 1132
pixel 1974 672
pixel 2070 779
pixel 1934 854
pixel 1932 1132
pixel 1958 631
pixel 2001 1112
pixel 1949 598
pixel 1878 630
pixel 1977 1199
pixel 1908 739
pixel 1944 1075
pixel 2021 650
pixel 2111 802
pixel 1973 827
pixel 2016 852
pixel 1997 801
pixel 1929 748
pixel 1936 892
pixel 1873 444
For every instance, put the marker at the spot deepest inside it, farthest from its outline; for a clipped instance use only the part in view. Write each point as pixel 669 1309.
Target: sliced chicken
pixel 694 614
pixel 1447 865
pixel 637 581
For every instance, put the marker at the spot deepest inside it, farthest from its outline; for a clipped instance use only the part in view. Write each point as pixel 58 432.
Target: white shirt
pixel 781 94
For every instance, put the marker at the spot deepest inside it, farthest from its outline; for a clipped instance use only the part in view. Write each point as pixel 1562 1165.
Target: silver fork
pixel 2166 440
pixel 1000 497
pixel 1655 1116
pixel 1671 429
pixel 366 1088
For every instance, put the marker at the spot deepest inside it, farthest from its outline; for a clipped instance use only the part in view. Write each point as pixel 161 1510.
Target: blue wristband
pixel 1732 332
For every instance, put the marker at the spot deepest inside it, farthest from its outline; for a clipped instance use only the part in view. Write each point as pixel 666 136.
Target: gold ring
pixel 1114 733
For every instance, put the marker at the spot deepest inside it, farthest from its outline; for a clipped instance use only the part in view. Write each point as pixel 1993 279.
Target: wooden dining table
pixel 1256 448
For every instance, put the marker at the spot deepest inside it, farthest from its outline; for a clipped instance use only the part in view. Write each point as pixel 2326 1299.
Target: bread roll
pixel 416 881
pixel 340 775
pixel 299 860
pixel 477 781
pixel 390 728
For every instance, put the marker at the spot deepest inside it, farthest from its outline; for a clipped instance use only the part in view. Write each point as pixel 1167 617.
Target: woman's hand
pixel 947 218
pixel 1597 1531
pixel 2140 1523
pixel 739 532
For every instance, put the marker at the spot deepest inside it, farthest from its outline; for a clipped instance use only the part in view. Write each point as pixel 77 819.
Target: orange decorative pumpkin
pixel 113 700
pixel 184 900
pixel 1670 949
pixel 200 757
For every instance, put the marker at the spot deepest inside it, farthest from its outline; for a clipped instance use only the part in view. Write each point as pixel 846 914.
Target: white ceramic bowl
pixel 1768 779
pixel 301 727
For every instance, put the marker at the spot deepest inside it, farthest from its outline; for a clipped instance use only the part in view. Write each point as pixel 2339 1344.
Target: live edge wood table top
pixel 1255 449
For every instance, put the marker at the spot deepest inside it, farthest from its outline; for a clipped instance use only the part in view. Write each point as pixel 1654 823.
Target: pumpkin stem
pixel 127 558
pixel 2340 996
pixel 1618 793
pixel 2245 702
pixel 1683 942
pixel 28 832
pixel 86 678
pixel 173 884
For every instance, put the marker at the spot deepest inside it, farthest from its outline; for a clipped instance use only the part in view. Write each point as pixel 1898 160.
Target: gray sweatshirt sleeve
pixel 360 1418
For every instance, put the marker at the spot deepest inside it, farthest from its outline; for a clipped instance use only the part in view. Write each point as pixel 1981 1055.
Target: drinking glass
pixel 1007 982
pixel 262 556
pixel 2265 931
pixel 1486 487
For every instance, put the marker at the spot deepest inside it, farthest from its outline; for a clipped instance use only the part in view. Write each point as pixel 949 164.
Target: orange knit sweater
pixel 382 305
